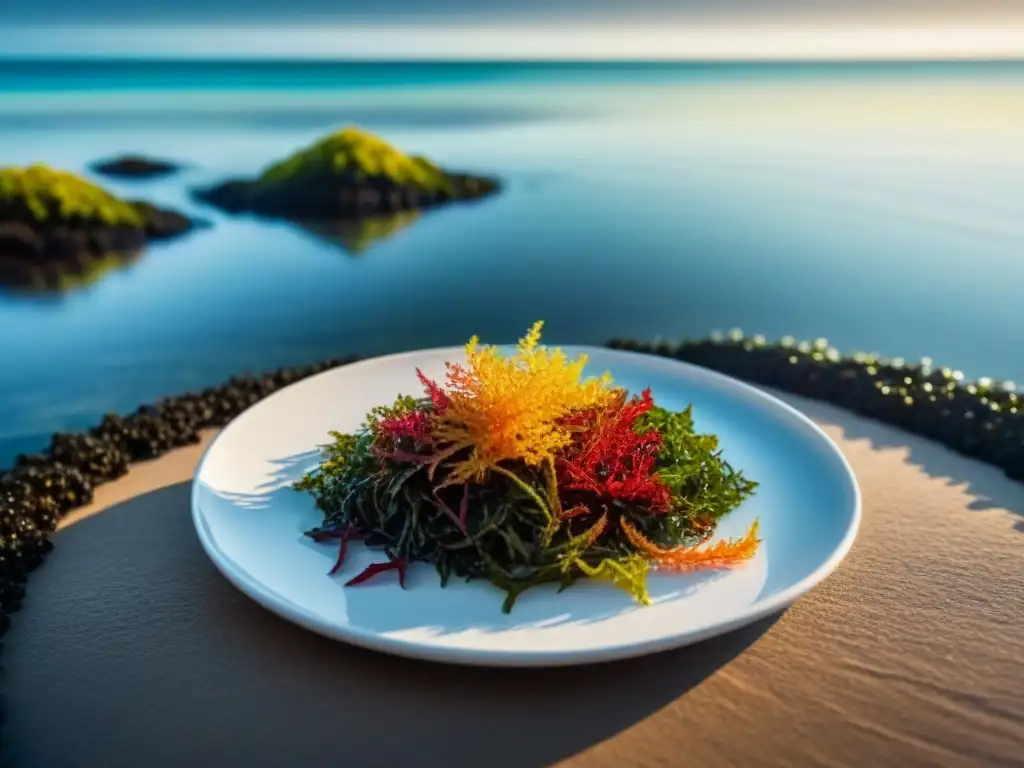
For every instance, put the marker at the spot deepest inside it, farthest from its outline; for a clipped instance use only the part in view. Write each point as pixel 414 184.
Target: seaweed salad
pixel 520 471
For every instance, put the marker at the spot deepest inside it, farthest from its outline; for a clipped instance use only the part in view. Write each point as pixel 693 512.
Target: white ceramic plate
pixel 251 522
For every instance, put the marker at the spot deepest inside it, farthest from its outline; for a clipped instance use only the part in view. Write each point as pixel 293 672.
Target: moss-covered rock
pixel 134 167
pixel 51 219
pixel 41 196
pixel 349 174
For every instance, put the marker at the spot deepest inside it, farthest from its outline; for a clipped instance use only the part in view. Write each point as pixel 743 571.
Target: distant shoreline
pixel 159 61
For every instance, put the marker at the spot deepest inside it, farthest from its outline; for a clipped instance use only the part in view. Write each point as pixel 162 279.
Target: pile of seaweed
pixel 555 478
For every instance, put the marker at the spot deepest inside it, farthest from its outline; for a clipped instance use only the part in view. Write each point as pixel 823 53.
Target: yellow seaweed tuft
pixel 507 409
pixel 628 574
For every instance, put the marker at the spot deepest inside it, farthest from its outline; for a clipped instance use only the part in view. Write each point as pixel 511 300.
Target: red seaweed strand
pixel 438 397
pixel 394 564
pixel 343 536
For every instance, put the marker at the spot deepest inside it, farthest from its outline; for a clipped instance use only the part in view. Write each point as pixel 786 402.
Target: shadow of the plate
pixel 165 652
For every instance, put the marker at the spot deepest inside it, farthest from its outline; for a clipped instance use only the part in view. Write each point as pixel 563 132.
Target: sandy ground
pixel 133 651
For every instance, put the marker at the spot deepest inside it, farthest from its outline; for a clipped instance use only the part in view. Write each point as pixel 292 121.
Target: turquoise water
pixel 879 206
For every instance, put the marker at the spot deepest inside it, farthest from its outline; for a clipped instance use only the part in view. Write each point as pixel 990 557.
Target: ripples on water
pixel 879 207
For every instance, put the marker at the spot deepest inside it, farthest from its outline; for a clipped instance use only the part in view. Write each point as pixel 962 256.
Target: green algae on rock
pixel 348 174
pixel 55 221
pixel 40 195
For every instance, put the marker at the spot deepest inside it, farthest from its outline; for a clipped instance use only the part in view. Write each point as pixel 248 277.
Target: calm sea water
pixel 878 206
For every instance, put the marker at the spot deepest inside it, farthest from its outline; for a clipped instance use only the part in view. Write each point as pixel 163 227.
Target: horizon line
pixel 260 58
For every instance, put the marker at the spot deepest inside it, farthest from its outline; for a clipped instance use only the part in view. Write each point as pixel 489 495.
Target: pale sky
pixel 502 29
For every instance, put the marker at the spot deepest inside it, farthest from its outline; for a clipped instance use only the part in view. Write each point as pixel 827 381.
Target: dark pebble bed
pixel 982 419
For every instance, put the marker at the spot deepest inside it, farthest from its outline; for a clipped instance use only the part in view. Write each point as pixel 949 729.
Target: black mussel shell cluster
pixel 41 488
pixel 982 419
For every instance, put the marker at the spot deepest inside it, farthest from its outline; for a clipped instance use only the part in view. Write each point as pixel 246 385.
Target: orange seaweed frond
pixel 592 534
pixel 724 554
pixel 574 511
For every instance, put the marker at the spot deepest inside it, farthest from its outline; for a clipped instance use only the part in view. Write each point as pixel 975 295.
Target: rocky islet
pixel 348 174
pixel 52 222
pixel 134 167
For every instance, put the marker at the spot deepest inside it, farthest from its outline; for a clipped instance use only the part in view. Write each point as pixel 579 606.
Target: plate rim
pixel 759 610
